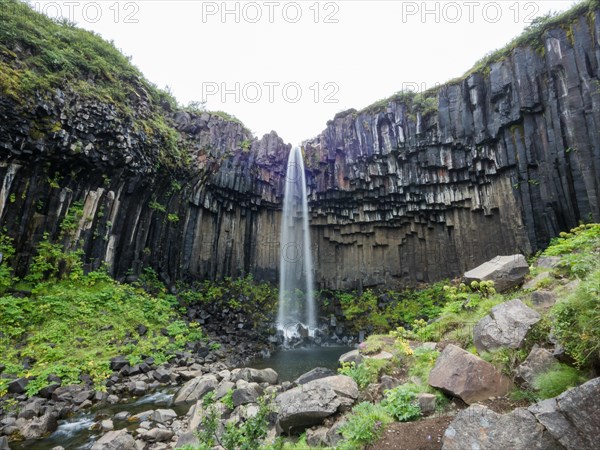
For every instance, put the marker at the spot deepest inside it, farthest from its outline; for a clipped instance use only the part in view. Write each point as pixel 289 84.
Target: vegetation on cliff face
pixel 40 57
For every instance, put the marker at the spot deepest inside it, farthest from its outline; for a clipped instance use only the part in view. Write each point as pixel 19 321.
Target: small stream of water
pixel 75 433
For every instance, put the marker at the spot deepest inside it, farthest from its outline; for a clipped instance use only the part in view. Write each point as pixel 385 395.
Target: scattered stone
pixel 223 389
pixel 196 389
pixel 248 394
pixel 506 326
pixel 543 299
pixel 157 435
pixel 506 272
pixel 115 440
pixel 162 375
pixel 38 426
pixel 137 388
pixel 351 356
pixel 537 362
pixel 427 403
pixel 164 415
pixel 142 416
pixel 381 355
pixel 118 363
pixel 314 374
pixel 107 425
pixel 572 417
pixel 317 437
pixel 188 438
pixel 123 415
pixel 548 262
pixel 467 376
pixel 478 427
pixel 17 386
pixel 533 283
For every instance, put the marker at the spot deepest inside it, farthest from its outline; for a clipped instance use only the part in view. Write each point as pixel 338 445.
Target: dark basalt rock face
pixel 398 195
pixel 508 160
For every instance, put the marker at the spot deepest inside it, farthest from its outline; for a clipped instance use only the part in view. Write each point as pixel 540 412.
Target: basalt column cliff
pixel 415 188
pixel 422 187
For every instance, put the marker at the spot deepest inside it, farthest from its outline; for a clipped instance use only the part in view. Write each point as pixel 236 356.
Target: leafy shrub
pixel 366 372
pixel 7 251
pixel 365 425
pixel 401 403
pixel 557 380
pixel 423 361
pixel 579 249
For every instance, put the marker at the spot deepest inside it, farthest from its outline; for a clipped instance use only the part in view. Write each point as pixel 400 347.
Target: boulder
pixel 427 403
pixel 506 272
pixel 543 299
pixel 115 440
pixel 506 326
pixel 17 386
pixel 157 435
pixel 572 417
pixel 163 415
pixel 317 437
pixel 309 403
pixel 478 427
pixel 467 376
pixel 248 394
pixel 533 283
pixel 537 362
pixel 381 355
pixel 223 389
pixel 314 374
pixel 256 376
pixel 196 389
pixel 186 439
pixel 351 356
pixel 162 375
pixel 118 362
pixel 548 262
pixel 38 426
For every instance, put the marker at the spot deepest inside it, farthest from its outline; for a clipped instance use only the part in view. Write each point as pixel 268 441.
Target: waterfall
pixel 296 296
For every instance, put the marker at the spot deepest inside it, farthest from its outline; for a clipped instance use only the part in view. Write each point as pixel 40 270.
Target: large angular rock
pixel 505 271
pixel 467 376
pixel 256 376
pixel 314 374
pixel 351 356
pixel 38 426
pixel 310 403
pixel 115 440
pixel 478 427
pixel 196 389
pixel 248 394
pixel 537 362
pixel 573 418
pixel 506 326
pixel 543 299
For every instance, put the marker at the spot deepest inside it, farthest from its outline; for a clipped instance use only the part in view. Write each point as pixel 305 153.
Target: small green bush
pixel 557 380
pixel 365 425
pixel 366 372
pixel 401 403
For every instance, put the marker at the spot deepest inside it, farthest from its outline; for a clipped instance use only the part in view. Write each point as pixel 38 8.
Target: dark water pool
pixel 290 364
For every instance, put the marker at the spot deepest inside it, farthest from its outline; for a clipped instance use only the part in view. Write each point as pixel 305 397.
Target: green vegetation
pixel 557 380
pixel 401 403
pixel 576 321
pixel 256 301
pixel 364 426
pixel 401 308
pixel 579 250
pixel 366 372
pixel 68 323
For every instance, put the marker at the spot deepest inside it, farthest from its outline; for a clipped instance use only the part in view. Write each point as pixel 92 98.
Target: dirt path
pixel 421 435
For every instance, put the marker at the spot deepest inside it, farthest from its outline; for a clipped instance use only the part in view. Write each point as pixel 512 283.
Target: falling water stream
pixel 296 297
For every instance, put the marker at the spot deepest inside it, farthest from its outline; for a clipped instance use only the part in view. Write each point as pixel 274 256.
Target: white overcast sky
pixel 294 65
